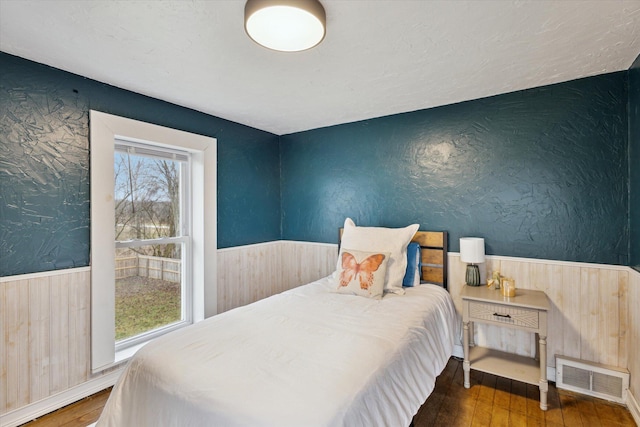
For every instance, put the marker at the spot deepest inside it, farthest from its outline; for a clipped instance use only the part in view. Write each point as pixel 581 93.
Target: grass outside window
pixel 144 304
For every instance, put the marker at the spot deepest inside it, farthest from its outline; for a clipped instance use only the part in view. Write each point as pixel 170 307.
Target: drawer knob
pixel 506 316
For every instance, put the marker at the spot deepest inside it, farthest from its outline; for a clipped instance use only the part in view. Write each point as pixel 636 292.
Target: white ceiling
pixel 378 58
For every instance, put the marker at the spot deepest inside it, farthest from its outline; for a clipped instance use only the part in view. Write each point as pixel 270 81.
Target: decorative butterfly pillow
pixel 362 273
pixel 393 241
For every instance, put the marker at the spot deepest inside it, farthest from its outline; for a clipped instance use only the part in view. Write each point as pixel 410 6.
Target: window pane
pixel 147 193
pixel 148 288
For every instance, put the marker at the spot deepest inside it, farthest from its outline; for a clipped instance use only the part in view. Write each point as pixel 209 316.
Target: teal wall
pixel 634 162
pixel 540 173
pixel 44 166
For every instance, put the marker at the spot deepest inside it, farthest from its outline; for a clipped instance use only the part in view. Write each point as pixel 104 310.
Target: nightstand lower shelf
pixel 519 368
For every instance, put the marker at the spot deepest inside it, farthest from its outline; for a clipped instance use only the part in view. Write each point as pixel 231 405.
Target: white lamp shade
pixel 285 25
pixel 472 250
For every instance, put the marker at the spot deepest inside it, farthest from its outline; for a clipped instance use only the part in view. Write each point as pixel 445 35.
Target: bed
pixel 310 356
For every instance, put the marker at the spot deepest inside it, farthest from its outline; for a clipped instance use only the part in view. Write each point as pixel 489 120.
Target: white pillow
pixel 362 273
pixel 385 240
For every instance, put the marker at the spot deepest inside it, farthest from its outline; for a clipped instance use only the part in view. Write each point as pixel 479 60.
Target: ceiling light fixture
pixel 285 25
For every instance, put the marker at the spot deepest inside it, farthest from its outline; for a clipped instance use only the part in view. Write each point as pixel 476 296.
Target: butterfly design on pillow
pixel 363 272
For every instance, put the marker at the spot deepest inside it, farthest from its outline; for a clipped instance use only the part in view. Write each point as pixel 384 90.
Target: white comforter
pixel 306 357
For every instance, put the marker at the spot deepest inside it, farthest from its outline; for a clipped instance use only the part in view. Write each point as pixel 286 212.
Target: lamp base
pixel 473 275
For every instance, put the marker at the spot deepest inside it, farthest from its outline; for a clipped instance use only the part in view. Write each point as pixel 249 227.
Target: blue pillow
pixel 413 265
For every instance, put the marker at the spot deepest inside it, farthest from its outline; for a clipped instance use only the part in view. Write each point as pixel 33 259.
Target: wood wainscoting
pixel 249 273
pixel 44 317
pixel 45 326
pixel 590 308
pixel 633 299
pixel 44 351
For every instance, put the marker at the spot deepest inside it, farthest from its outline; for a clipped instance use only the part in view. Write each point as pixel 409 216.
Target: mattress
pixel 305 357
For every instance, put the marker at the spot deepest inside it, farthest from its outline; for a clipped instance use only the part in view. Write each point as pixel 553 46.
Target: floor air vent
pixel 593 379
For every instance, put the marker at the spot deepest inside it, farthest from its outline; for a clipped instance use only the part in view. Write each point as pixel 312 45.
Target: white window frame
pixel 104 130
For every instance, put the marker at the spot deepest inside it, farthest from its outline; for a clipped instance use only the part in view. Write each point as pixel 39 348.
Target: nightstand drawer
pixel 504 314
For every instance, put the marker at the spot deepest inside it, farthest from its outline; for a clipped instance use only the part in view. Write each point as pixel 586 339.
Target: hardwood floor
pixel 79 414
pixel 491 401
pixel 497 401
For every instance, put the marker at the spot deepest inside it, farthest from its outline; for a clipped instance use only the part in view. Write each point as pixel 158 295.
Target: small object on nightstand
pixel 496 280
pixel 508 287
pixel 472 252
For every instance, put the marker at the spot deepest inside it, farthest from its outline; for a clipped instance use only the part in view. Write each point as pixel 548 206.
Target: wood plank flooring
pixel 491 401
pixel 497 401
pixel 79 414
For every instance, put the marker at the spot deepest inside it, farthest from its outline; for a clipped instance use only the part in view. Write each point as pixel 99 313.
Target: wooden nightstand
pixel 526 311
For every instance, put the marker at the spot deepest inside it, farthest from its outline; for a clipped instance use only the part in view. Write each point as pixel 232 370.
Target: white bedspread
pixel 306 357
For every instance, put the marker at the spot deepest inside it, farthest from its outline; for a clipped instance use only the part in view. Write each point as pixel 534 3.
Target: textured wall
pixel 44 159
pixel 540 173
pixel 44 170
pixel 634 162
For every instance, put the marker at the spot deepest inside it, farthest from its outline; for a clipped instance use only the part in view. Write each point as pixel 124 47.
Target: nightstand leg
pixel 544 385
pixel 465 345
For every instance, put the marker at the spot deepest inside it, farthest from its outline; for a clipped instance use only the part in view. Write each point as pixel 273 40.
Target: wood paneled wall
pixel 634 336
pixel 590 307
pixel 44 319
pixel 44 322
pixel 249 273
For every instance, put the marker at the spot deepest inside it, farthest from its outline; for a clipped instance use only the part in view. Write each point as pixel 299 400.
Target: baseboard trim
pixel 633 406
pixel 34 410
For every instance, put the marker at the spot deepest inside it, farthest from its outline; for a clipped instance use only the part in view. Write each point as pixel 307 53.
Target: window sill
pixel 127 353
pixel 121 357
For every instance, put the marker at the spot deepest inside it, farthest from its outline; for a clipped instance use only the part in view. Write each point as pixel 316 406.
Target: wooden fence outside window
pixel 148 266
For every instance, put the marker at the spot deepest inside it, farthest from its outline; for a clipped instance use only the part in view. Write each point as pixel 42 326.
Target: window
pixel 153 241
pixel 153 224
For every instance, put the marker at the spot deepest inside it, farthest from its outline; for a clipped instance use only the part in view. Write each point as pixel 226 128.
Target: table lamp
pixel 472 252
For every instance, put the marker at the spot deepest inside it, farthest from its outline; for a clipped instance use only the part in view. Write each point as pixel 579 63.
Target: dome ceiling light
pixel 285 25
